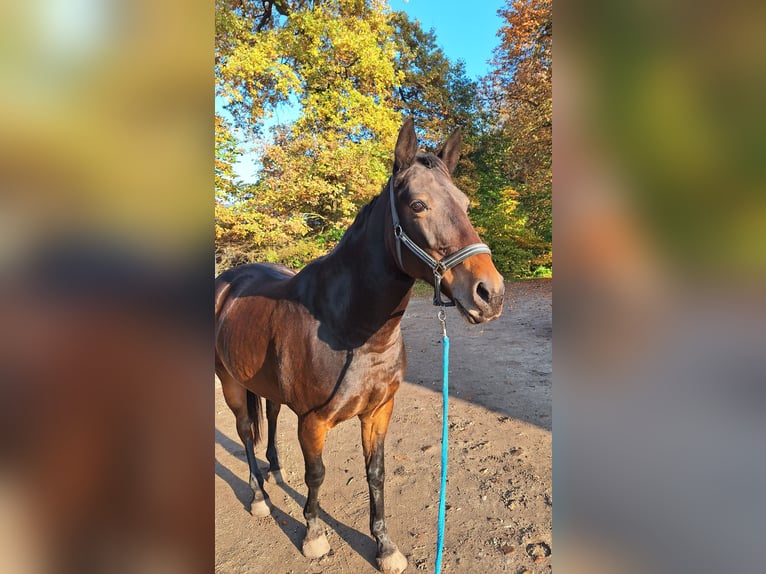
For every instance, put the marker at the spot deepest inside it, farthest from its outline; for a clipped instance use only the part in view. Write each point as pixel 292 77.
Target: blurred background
pixel 659 227
pixel 106 258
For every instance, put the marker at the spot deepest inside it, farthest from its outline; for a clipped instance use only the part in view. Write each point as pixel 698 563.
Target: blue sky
pixel 463 33
pixel 467 34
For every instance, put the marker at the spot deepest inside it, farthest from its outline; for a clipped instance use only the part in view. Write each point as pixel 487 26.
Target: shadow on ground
pixel 504 365
pixel 361 543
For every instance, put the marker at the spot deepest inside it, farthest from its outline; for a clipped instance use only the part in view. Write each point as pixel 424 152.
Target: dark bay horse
pixel 327 341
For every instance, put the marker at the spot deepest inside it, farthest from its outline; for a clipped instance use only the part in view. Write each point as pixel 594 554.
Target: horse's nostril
pixel 482 292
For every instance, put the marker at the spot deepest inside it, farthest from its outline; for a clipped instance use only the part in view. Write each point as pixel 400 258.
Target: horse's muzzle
pixel 478 289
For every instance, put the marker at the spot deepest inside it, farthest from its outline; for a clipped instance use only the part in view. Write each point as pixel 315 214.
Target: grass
pixel 422 289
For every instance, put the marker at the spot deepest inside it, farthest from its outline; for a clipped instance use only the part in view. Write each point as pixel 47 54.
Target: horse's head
pixel 433 237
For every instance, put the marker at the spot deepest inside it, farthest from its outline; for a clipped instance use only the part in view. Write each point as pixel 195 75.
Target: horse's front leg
pixel 311 435
pixel 374 427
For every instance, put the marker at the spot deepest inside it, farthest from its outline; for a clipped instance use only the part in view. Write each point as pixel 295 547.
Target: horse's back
pixel 252 278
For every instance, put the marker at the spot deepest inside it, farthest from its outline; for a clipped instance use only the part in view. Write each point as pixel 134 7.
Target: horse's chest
pixel 343 383
pixel 357 367
pixel 376 367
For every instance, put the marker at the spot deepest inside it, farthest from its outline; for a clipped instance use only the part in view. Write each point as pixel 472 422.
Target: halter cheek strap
pixel 440 267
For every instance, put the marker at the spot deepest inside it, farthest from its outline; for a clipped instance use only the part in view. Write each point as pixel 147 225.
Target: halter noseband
pixel 440 267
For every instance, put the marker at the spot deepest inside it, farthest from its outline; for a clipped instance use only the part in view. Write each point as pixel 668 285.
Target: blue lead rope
pixel 445 409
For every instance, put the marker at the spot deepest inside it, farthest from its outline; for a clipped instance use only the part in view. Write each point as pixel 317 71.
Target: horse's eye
pixel 418 206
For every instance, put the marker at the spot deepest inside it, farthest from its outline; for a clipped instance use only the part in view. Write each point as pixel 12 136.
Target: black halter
pixel 440 267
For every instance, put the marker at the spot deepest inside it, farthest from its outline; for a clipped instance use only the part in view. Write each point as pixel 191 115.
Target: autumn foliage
pixel 322 87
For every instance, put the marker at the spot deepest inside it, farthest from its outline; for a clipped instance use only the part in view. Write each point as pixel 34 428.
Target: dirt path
pixel 499 490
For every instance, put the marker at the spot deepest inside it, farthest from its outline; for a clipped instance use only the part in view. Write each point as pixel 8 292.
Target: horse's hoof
pixel 393 563
pixel 260 508
pixel 275 476
pixel 316 548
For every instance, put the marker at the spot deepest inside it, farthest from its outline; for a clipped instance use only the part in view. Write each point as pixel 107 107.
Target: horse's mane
pixel 360 222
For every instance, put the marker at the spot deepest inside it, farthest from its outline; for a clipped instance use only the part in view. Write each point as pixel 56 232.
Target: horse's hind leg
pixel 374 427
pixel 237 398
pixel 311 434
pixel 275 472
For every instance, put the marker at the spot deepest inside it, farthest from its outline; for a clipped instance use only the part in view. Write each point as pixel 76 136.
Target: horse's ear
pixel 406 146
pixel 450 151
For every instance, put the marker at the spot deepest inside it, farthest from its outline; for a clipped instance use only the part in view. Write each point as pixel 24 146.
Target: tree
pixel 516 248
pixel 334 62
pixel 226 153
pixel 350 69
pixel 335 156
pixel 519 94
pixel 434 91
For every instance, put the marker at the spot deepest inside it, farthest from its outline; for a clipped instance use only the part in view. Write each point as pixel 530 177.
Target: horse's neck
pixel 357 287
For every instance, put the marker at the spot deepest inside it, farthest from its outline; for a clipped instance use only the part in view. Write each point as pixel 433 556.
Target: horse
pixel 327 341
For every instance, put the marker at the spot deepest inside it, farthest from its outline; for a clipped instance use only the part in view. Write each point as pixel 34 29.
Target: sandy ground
pixel 499 489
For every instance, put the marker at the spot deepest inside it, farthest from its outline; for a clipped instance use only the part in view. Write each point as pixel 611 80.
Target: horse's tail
pixel 255 411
